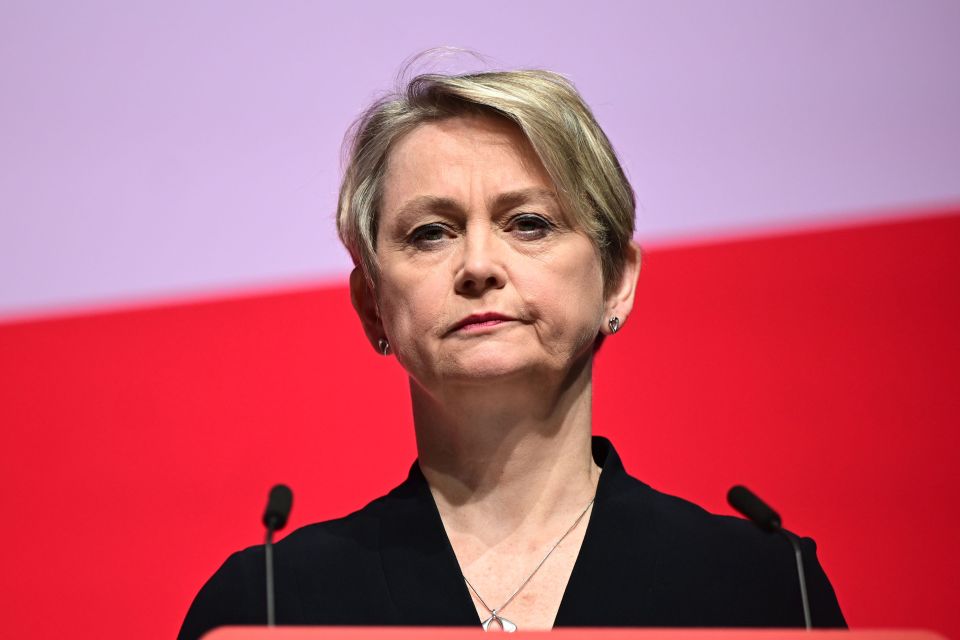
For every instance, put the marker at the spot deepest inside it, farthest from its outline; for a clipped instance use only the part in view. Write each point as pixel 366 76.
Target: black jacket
pixel 648 559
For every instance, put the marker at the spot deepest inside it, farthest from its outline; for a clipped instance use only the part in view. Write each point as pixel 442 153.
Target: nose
pixel 481 267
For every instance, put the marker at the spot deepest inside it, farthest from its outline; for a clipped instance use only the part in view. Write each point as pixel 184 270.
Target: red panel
pixel 820 369
pixel 578 633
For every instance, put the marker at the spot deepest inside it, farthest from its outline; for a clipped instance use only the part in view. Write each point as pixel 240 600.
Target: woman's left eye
pixel 530 226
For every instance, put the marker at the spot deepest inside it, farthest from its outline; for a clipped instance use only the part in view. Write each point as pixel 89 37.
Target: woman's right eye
pixel 427 235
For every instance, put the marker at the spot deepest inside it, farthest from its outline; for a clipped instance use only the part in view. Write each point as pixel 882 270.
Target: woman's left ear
pixel 365 304
pixel 620 299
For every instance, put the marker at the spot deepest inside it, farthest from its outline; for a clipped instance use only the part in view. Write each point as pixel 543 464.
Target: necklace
pixel 495 616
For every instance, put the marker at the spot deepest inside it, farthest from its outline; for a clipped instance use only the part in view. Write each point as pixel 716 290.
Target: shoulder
pixel 325 559
pixel 664 561
pixel 355 532
pixel 632 509
pixel 337 540
pixel 724 567
pixel 688 526
pixel 680 539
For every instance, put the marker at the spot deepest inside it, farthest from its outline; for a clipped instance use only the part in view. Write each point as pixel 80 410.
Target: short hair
pixel 578 156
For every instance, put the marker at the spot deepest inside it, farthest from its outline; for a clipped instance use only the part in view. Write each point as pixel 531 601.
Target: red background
pixel 820 368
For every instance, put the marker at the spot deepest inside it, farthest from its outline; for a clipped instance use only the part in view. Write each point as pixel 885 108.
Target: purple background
pixel 187 148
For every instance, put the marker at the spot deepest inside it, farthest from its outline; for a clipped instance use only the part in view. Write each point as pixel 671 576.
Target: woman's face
pixel 482 275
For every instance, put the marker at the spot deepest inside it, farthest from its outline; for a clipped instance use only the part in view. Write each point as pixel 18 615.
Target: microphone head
pixel 278 507
pixel 753 508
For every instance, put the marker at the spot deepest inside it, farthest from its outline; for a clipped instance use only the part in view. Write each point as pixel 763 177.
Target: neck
pixel 522 451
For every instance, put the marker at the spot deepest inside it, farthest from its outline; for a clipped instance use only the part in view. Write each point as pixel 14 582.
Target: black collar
pixel 422 572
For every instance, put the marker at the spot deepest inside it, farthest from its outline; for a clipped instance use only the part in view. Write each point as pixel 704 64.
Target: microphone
pixel 762 515
pixel 755 509
pixel 275 517
pixel 279 503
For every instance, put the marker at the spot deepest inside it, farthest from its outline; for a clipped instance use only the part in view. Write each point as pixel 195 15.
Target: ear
pixel 620 299
pixel 365 304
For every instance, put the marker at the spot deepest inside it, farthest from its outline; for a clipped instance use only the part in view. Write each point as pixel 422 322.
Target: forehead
pixel 459 157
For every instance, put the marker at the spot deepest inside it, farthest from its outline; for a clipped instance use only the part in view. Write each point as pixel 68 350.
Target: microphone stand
pixel 271 601
pixel 803 580
pixel 760 513
pixel 274 518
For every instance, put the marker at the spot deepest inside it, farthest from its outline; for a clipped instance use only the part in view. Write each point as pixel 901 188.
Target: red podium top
pixel 570 633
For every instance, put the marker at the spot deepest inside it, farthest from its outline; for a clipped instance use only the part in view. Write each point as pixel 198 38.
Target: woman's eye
pixel 428 234
pixel 531 227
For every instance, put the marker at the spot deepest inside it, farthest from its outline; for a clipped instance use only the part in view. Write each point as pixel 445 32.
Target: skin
pixel 470 225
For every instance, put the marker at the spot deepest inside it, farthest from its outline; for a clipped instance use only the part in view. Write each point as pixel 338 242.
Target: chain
pixel 495 612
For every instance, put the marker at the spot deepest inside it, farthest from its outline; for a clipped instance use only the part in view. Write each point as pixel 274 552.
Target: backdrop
pixel 175 332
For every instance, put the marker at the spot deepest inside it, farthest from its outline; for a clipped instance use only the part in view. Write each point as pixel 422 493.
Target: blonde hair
pixel 590 182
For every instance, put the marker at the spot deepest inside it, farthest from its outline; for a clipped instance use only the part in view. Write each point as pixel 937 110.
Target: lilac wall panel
pixel 155 149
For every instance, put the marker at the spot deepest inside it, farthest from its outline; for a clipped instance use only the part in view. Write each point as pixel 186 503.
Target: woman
pixel 491 226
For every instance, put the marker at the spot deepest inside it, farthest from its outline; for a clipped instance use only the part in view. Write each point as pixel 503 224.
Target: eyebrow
pixel 513 198
pixel 427 203
pixel 424 204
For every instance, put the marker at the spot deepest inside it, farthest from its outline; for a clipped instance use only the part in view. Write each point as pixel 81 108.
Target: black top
pixel 647 559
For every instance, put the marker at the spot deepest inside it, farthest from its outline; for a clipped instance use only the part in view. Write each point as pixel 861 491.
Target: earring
pixel 614 324
pixel 384 346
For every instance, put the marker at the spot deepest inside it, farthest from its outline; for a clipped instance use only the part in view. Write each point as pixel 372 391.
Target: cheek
pixel 410 307
pixel 566 300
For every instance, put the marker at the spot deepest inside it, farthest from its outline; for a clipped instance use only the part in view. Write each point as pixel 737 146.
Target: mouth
pixel 480 321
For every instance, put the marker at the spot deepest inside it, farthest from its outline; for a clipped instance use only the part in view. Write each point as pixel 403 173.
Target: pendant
pixel 504 624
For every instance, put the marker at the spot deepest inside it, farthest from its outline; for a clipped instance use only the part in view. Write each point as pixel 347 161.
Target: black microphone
pixel 755 509
pixel 275 517
pixel 278 507
pixel 762 515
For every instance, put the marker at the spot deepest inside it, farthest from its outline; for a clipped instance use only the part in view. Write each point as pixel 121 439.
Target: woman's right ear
pixel 365 303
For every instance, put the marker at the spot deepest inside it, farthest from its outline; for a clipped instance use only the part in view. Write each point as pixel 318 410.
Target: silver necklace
pixel 495 616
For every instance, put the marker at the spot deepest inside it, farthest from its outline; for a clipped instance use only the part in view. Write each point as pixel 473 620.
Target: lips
pixel 480 320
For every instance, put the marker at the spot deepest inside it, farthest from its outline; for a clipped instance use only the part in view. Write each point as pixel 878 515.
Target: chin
pixel 500 367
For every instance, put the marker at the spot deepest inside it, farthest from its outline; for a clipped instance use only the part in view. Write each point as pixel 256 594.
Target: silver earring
pixel 384 345
pixel 614 324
